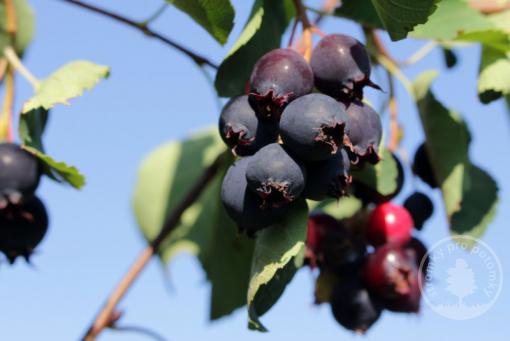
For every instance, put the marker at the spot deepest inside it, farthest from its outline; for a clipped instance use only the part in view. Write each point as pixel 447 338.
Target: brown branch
pixel 489 6
pixel 107 315
pixel 143 27
pixel 306 40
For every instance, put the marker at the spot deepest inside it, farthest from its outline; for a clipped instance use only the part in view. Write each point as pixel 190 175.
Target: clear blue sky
pixel 154 95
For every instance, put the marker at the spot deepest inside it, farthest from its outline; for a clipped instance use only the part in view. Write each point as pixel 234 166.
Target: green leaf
pixel 344 207
pixel 31 127
pixel 165 177
pixel 469 194
pixel 68 82
pixel 399 17
pixel 279 252
pixel 58 171
pixel 24 23
pixel 382 177
pixel 361 11
pixel 494 78
pixel 262 33
pixel 215 16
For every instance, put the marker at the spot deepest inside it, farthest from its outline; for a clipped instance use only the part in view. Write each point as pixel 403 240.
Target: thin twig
pixel 156 14
pixel 140 330
pixel 6 118
pixel 198 59
pixel 394 139
pixel 307 29
pixel 106 315
pixel 379 45
pixel 13 59
pixel 421 53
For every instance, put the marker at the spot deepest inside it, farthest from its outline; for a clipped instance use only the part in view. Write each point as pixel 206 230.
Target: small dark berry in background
pixel 365 133
pixel 392 275
pixel 243 206
pixel 354 307
pixel 423 168
pixel 320 225
pixel 313 127
pixel 389 223
pixel 22 228
pixel 20 173
pixel 420 207
pixel 276 176
pixel 241 130
pixel 328 178
pixel 341 67
pixel 279 77
pixel 342 253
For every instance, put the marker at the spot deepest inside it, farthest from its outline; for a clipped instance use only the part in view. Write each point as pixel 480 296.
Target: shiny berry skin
pixel 22 228
pixel 243 206
pixel 393 276
pixel 389 223
pixel 275 175
pixel 341 67
pixel 354 307
pixel 241 130
pixel 20 173
pixel 423 168
pixel 328 178
pixel 365 133
pixel 420 207
pixel 319 226
pixel 279 77
pixel 313 127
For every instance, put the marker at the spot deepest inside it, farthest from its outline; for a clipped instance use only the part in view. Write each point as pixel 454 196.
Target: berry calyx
pixel 22 228
pixel 354 307
pixel 389 223
pixel 20 173
pixel 243 206
pixel 313 127
pixel 275 175
pixel 420 207
pixel 341 67
pixel 279 77
pixel 241 130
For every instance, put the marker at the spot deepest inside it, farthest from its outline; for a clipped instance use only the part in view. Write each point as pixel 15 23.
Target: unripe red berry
pixel 318 226
pixel 389 223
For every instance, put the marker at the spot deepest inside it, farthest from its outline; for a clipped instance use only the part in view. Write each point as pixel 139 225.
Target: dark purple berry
pixel 422 166
pixel 417 251
pixel 342 253
pixel 341 67
pixel 328 178
pixel 393 275
pixel 313 127
pixel 20 172
pixel 420 207
pixel 22 227
pixel 242 205
pixel 354 307
pixel 280 76
pixel 241 130
pixel 276 176
pixel 365 132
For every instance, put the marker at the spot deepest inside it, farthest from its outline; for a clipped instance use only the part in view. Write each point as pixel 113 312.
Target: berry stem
pixel 6 119
pixel 393 110
pixel 13 59
pixel 106 315
pixel 156 14
pixel 421 53
pixel 307 29
pixel 198 59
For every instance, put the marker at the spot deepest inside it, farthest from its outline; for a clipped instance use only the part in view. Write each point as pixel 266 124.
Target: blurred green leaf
pixel 361 11
pixel 164 179
pixel 344 207
pixel 215 16
pixel 262 33
pixel 279 252
pixel 382 177
pixel 68 82
pixel 24 23
pixel 494 78
pixel 463 185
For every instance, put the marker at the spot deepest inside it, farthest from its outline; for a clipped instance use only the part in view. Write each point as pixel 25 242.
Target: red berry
pixel 318 226
pixel 389 223
pixel 391 274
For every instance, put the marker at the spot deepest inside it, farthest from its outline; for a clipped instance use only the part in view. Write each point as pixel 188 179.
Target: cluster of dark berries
pixel 373 260
pixel 23 217
pixel 296 143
